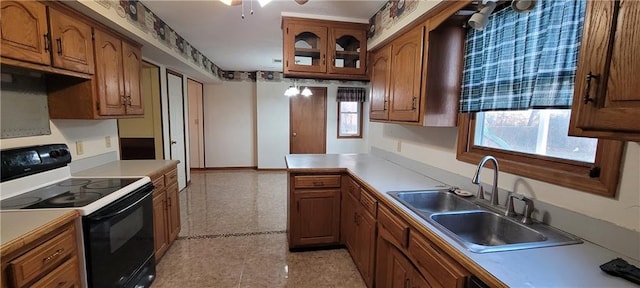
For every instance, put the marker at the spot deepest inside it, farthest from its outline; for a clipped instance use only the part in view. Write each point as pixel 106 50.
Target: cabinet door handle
pixel 324 60
pixel 47 42
pixel 52 256
pixel 413 103
pixel 59 42
pixel 587 98
pixel 386 105
pixel 406 283
pixel 62 284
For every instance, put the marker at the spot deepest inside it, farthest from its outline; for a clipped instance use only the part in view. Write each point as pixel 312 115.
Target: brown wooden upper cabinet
pixel 606 102
pixel 114 90
pixel 26 37
pixel 324 49
pixel 118 76
pixel 415 78
pixel 24 31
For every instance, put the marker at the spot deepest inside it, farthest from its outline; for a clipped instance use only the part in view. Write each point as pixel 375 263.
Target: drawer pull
pixel 52 256
pixel 62 284
pixel 318 184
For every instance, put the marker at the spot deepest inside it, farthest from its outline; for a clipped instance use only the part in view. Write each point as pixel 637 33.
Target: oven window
pixel 126 229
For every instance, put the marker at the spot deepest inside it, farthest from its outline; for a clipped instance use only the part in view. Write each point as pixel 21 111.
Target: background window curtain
pixel 351 94
pixel 523 60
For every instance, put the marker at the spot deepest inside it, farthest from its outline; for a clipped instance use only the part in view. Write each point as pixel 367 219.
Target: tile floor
pixel 234 235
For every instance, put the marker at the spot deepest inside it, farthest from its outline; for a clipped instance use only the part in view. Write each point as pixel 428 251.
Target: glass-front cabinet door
pixel 309 53
pixel 348 51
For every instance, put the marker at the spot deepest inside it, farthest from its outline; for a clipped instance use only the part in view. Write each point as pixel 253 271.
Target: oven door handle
pixel 99 218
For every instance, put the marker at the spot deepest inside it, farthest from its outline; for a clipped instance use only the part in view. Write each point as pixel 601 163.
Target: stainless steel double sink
pixel 478 228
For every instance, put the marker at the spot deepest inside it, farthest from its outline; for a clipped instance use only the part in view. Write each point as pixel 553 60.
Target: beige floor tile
pixel 233 235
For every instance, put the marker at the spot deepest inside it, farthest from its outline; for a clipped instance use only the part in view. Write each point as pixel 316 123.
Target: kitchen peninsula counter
pixel 559 266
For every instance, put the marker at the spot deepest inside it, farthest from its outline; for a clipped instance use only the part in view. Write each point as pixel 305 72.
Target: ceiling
pixel 252 43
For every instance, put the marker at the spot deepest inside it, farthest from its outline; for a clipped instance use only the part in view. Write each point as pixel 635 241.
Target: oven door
pixel 119 239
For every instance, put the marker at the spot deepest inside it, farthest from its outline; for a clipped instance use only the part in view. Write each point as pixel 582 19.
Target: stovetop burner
pixel 69 193
pixel 80 199
pixel 72 182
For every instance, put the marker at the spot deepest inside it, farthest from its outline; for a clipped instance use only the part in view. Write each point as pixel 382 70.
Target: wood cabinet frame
pixel 428 94
pixel 557 171
pixel 326 32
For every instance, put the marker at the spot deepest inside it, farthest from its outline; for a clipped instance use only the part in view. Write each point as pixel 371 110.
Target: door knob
pixel 174 142
pixel 295 134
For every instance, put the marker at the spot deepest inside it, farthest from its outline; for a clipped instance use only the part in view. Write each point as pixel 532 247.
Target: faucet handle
pixel 528 208
pixel 511 212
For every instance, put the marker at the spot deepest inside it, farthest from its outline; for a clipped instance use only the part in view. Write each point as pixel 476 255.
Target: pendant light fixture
pixel 294 90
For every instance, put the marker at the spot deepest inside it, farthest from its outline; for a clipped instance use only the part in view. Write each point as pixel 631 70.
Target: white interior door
pixel 176 125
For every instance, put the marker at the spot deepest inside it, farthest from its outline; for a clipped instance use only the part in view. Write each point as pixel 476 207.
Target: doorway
pixel 196 125
pixel 177 148
pixel 308 122
pixel 141 138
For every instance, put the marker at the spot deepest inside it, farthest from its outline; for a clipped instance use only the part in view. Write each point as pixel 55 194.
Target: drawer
pixel 397 228
pixel 44 257
pixel 171 177
pixel 319 181
pixel 159 183
pixel 369 203
pixel 352 187
pixel 435 265
pixel 65 276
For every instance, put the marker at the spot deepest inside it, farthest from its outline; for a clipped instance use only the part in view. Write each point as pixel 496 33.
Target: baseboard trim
pixel 272 169
pixel 226 168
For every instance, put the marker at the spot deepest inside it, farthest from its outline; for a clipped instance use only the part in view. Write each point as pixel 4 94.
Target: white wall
pixel 437 147
pixel 273 122
pixel 92 133
pixel 230 124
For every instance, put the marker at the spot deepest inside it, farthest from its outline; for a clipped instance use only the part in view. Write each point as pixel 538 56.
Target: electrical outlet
pixel 399 146
pixel 79 148
pixel 107 141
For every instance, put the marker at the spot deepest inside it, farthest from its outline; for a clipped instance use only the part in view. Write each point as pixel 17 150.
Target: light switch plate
pixel 79 148
pixel 107 141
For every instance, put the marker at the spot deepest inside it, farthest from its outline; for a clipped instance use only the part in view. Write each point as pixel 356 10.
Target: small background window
pixel 349 119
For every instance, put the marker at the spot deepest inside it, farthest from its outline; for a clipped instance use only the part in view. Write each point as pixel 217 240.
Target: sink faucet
pixel 528 207
pixel 476 179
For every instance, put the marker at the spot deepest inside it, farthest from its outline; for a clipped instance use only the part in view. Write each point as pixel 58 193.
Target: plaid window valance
pixel 351 94
pixel 523 60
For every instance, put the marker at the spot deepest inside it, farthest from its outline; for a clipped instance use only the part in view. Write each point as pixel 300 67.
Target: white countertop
pixel 15 224
pixel 127 168
pixel 560 266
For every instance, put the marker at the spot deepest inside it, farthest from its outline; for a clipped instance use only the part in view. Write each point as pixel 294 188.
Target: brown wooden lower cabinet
pixel 360 229
pixel 395 270
pixel 317 220
pixel 326 210
pixel 417 260
pixel 48 260
pixel 166 210
pixel 313 217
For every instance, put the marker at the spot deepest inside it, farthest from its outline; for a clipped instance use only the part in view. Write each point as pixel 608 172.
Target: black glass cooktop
pixel 73 192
